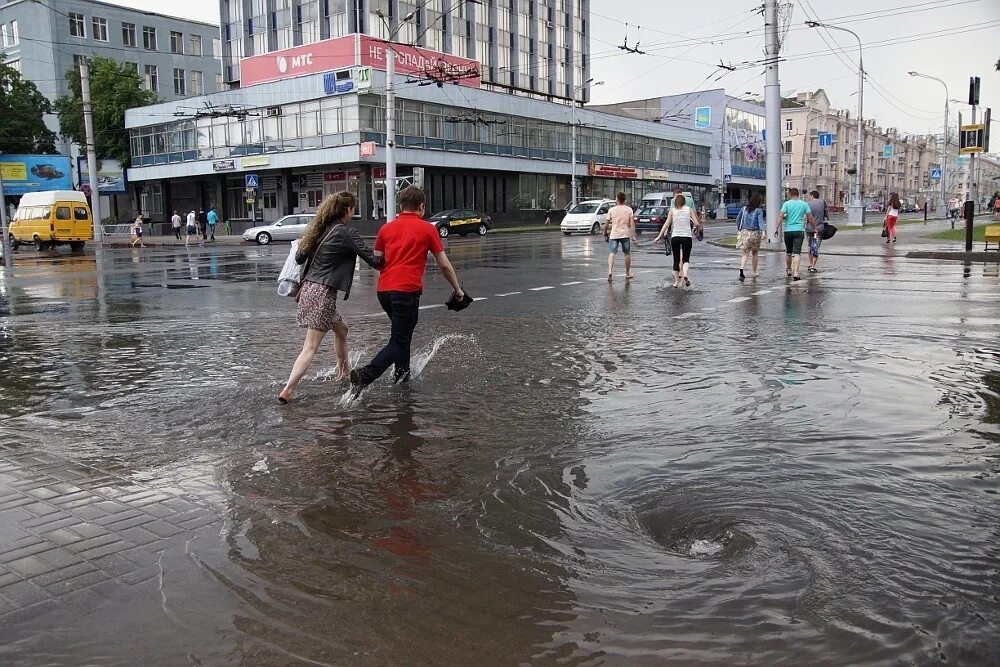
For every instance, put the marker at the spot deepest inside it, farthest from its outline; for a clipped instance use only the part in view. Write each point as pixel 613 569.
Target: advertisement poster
pixel 110 176
pixel 35 173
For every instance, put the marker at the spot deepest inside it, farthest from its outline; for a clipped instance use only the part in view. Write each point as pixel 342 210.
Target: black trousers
pixel 402 309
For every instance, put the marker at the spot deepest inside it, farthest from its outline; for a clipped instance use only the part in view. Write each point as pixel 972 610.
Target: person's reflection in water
pixel 405 484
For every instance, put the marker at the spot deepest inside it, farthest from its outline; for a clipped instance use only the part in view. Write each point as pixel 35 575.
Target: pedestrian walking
pixel 192 229
pixel 404 243
pixel 792 222
pixel 750 232
pixel 620 232
pixel 891 215
pixel 175 222
pixel 548 211
pixel 203 225
pixel 814 230
pixel 681 224
pixel 996 206
pixel 213 220
pixel 137 232
pixel 953 205
pixel 329 250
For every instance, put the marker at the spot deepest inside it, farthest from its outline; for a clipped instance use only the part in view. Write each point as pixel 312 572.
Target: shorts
pixel 192 230
pixel 137 233
pixel 793 242
pixel 624 244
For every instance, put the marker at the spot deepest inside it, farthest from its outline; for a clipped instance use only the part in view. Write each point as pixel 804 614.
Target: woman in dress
pixel 681 224
pixel 891 215
pixel 751 232
pixel 328 251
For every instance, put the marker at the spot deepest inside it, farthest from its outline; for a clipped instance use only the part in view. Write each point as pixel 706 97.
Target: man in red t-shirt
pixel 404 243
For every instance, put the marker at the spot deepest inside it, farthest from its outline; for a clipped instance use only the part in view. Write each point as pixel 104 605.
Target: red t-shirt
pixel 405 243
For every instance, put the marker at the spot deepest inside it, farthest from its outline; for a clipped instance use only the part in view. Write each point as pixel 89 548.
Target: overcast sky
pixel 677 61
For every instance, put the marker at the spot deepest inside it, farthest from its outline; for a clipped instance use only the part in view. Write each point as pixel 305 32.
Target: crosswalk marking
pixel 762 292
pixel 539 289
pixel 739 299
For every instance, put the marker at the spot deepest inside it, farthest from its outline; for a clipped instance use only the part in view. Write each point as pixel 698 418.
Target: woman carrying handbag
pixel 750 232
pixel 891 215
pixel 328 251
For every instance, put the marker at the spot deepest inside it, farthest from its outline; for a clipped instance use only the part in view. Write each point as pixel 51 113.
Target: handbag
pixel 292 273
pixel 885 231
pixel 828 232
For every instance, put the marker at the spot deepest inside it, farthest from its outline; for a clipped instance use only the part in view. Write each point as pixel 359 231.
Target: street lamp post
pixel 855 217
pixel 944 149
pixel 390 113
pixel 575 186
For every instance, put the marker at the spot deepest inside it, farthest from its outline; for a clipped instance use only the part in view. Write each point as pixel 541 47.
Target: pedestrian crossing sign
pixel 936 174
pixel 253 181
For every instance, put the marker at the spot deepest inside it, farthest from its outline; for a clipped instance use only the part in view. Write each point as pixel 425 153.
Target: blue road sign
pixel 703 118
pixel 728 178
pixel 936 174
pixel 253 181
pixel 825 139
pixel 887 152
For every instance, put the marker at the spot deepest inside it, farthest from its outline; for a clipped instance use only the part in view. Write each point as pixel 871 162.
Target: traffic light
pixel 418 177
pixel 973 90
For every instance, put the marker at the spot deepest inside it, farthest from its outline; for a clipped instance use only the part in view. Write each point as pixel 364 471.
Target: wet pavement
pixel 581 473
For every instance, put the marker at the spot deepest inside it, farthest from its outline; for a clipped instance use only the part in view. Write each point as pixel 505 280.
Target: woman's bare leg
pixel 309 349
pixel 340 345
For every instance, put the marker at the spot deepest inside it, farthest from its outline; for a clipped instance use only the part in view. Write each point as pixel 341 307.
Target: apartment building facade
pixel 891 161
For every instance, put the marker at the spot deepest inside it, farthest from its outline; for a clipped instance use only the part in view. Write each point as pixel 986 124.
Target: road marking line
pixel 539 289
pixel 739 299
pixel 594 280
pixel 575 282
pixel 708 309
pixel 507 294
pixel 685 316
pixel 762 292
pixel 480 298
pixel 433 305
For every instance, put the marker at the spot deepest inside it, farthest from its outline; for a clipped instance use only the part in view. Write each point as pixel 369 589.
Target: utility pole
pixel 88 122
pixel 772 116
pixel 390 131
pixel 8 258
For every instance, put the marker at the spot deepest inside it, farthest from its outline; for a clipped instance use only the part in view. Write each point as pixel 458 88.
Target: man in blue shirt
pixel 213 220
pixel 792 219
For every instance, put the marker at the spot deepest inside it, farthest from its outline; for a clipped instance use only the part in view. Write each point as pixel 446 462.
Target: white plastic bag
pixel 291 274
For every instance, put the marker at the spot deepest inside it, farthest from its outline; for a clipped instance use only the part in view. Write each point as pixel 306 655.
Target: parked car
pixel 650 219
pixel 586 217
pixel 461 221
pixel 287 228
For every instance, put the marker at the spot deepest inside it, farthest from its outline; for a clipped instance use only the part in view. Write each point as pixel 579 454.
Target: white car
pixel 587 217
pixel 287 228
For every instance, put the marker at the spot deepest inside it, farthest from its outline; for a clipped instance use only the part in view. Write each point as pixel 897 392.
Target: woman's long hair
pixel 894 201
pixel 331 211
pixel 754 202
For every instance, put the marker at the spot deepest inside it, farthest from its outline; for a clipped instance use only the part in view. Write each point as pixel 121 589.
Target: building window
pixel 149 38
pixel 788 147
pixel 788 169
pixel 197 83
pixel 15 65
pixel 134 67
pixel 152 79
pixel 128 34
pixel 77 61
pixel 788 124
pixel 176 42
pixel 219 82
pixel 178 82
pixel 9 36
pixel 100 28
pixel 196 45
pixel 3 36
pixel 76 26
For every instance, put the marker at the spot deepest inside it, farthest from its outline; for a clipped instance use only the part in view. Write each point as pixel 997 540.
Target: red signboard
pixel 329 54
pixel 378 172
pixel 343 52
pixel 612 171
pixel 334 176
pixel 367 148
pixel 421 62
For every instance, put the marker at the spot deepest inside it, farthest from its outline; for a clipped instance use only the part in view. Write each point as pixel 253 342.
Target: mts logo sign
pixel 292 63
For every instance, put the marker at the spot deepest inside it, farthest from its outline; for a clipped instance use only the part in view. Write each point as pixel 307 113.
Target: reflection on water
pixel 806 480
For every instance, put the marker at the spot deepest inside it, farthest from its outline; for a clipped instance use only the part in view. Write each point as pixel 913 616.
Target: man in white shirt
pixel 175 222
pixel 953 205
pixel 620 226
pixel 192 229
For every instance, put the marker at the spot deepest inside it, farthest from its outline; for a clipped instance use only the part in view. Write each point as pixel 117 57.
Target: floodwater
pixel 588 474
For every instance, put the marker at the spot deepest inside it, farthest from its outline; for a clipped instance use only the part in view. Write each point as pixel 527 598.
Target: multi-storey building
pixel 891 162
pixel 734 126
pixel 174 57
pixel 986 181
pixel 537 48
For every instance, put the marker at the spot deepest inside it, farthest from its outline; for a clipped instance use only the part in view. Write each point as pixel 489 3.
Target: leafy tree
pixel 22 115
pixel 114 87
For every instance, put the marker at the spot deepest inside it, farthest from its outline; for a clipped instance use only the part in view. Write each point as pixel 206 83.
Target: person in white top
pixel 891 215
pixel 192 229
pixel 681 224
pixel 137 232
pixel 620 230
pixel 175 222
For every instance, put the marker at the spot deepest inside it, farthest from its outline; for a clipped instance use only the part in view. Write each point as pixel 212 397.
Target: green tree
pixel 114 87
pixel 22 115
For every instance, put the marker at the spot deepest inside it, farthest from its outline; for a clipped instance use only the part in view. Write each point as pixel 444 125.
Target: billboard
pixel 110 176
pixel 352 51
pixel 35 173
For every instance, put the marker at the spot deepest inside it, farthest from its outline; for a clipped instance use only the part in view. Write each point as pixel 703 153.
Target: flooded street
pixel 580 473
